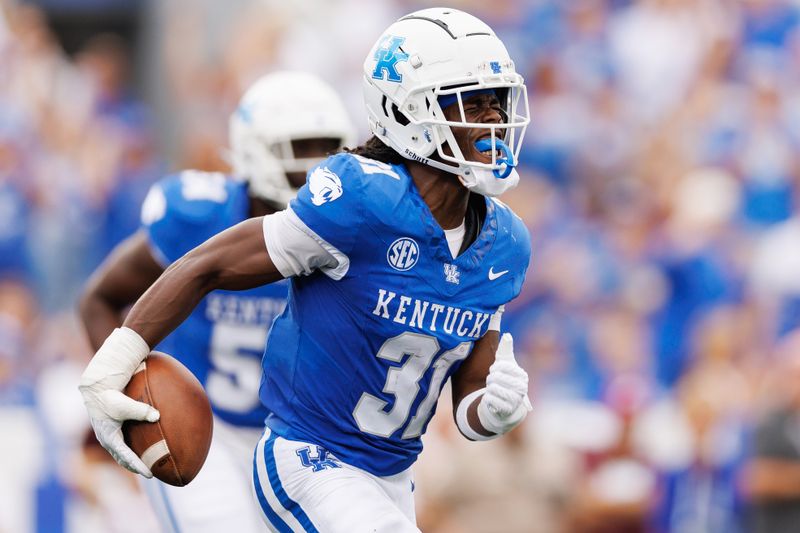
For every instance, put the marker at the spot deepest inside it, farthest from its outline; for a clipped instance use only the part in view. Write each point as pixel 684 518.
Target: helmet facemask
pixel 425 110
pixel 285 152
pixel 504 138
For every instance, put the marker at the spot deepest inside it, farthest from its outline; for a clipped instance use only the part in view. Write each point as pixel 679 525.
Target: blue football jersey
pixel 223 340
pixel 357 364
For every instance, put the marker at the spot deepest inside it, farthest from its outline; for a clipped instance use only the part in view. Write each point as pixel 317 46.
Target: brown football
pixel 175 447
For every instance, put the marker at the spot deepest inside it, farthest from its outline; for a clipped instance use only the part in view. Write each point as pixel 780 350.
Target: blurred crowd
pixel 660 321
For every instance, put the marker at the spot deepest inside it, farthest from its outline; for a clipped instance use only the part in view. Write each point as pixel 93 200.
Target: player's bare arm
pixel 118 282
pixel 471 377
pixel 236 259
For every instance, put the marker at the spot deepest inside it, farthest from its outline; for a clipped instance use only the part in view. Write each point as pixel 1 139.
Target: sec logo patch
pixel 402 254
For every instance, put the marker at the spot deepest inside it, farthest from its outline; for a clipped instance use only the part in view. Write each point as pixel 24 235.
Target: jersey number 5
pixel 403 383
pixel 235 352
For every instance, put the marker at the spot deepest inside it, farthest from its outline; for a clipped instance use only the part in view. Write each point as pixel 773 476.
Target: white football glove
pixel 101 385
pixel 505 402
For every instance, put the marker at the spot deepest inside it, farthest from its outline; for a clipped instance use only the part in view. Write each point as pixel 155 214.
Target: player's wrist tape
pixel 495 424
pixel 117 359
pixel 462 420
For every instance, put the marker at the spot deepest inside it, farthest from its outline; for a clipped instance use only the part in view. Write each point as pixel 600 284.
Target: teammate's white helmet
pixel 443 52
pixel 277 109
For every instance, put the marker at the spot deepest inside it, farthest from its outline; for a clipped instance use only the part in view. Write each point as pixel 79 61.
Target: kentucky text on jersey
pixel 430 316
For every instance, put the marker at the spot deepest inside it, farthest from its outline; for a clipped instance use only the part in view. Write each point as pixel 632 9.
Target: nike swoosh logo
pixel 494 275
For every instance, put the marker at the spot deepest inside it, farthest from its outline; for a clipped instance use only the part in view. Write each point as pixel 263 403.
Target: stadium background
pixel 659 182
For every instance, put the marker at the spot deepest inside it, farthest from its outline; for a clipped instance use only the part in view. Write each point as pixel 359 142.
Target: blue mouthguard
pixel 506 159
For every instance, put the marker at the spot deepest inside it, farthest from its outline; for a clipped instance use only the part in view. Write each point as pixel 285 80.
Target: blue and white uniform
pixel 379 316
pixel 222 343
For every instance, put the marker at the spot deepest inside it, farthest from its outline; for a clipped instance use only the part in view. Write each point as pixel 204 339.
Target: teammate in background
pixel 400 265
pixel 286 122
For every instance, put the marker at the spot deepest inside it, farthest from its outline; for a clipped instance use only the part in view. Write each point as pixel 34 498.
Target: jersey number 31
pixel 403 383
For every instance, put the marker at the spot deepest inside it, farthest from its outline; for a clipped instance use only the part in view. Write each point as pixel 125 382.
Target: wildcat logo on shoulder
pixel 324 185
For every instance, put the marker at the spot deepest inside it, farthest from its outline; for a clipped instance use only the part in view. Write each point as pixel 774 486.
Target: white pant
pixel 301 487
pixel 220 497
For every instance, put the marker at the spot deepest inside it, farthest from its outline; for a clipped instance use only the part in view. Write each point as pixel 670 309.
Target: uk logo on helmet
pixel 245 111
pixel 324 185
pixel 387 56
pixel 402 254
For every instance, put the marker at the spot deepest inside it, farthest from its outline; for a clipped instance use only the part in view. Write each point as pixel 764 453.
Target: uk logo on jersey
pixel 322 461
pixel 387 55
pixel 324 185
pixel 451 273
pixel 403 254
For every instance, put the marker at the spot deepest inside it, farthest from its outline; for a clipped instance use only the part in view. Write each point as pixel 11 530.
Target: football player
pixel 400 264
pixel 285 123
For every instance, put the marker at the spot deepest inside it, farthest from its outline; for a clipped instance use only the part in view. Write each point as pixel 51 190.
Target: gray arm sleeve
pixel 297 251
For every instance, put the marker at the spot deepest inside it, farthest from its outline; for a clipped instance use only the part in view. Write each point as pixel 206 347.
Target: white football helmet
pixel 433 57
pixel 277 109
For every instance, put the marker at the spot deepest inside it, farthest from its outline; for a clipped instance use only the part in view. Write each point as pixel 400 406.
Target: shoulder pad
pixel 184 210
pixel 195 196
pixel 372 166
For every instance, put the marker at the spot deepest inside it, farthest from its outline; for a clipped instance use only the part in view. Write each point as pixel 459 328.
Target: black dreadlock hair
pixel 376 149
